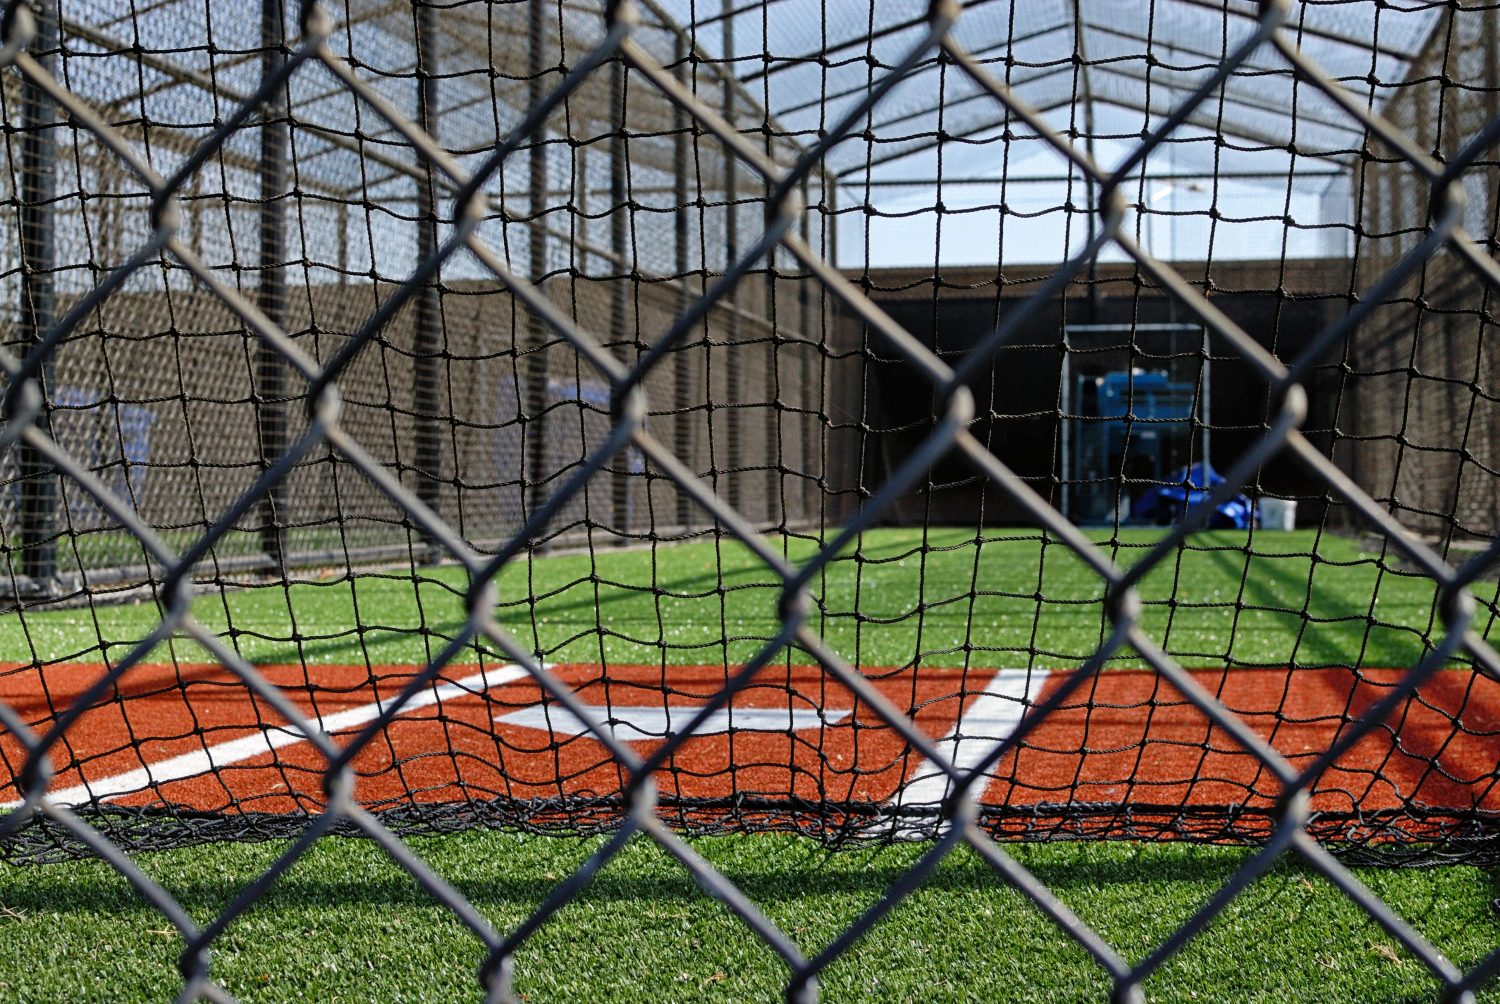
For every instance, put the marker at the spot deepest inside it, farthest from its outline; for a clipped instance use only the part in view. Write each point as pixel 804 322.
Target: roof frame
pixel 1188 49
pixel 1195 119
pixel 1217 6
pixel 1228 127
pixel 924 65
pixel 1363 44
pixel 1233 98
pixel 1086 80
pixel 849 43
pixel 979 95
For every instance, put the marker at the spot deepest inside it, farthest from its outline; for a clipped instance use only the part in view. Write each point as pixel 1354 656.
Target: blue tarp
pixel 1167 504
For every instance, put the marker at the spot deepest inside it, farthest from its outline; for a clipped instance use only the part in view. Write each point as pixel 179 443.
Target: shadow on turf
pixel 514 614
pixel 342 872
pixel 54 888
pixel 1341 628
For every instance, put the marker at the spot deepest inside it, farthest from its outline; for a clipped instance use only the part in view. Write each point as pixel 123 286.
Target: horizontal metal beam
pixel 1115 70
pixel 704 22
pixel 696 55
pixel 1112 67
pixel 979 95
pixel 1365 44
pixel 867 38
pixel 980 55
pixel 1056 179
pixel 1233 98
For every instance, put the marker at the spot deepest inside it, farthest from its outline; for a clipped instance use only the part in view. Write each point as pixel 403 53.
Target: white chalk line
pixel 989 720
pixel 656 722
pixel 270 738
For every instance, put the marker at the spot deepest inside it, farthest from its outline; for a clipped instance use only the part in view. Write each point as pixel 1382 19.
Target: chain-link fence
pixel 350 349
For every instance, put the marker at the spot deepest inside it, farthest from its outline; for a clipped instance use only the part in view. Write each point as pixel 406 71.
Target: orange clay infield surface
pixel 193 737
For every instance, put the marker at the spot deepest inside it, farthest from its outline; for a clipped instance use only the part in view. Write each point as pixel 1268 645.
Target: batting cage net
pixel 1059 420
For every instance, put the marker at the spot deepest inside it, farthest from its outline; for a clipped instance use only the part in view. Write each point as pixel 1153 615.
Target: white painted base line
pixel 268 740
pixel 655 722
pixel 988 722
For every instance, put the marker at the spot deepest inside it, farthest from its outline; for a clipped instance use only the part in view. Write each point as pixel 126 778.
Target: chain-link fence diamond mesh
pixel 439 298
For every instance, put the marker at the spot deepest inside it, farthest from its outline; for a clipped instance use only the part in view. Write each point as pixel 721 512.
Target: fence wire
pixel 628 379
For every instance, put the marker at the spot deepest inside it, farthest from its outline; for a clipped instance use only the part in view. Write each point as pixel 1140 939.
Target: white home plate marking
pixel 645 723
pixel 268 740
pixel 988 722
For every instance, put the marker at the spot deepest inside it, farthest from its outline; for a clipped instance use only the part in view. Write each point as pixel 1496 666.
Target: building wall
pixel 159 394
pixel 1020 392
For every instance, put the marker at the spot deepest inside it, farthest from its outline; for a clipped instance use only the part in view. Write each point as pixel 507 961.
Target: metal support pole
pixel 1490 25
pixel 733 367
pixel 343 253
pixel 1091 191
pixel 1205 397
pixel 684 422
pixel 536 375
pixel 774 456
pixel 39 485
pixel 427 341
pixel 808 372
pixel 831 186
pixel 1092 302
pixel 1065 430
pixel 832 470
pixel 620 289
pixel 1091 208
pixel 271 297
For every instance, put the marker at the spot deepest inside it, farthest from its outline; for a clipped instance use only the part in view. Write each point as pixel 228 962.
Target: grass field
pixel 1007 598
pixel 345 925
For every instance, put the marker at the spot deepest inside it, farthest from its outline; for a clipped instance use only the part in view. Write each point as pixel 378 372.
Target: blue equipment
pixel 1166 504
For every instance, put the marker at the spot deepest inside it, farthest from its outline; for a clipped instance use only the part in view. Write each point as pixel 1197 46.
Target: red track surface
pixel 1127 737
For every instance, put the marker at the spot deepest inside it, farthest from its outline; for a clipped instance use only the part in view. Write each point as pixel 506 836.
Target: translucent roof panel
pixel 1265 148
pixel 810 61
pixel 1099 71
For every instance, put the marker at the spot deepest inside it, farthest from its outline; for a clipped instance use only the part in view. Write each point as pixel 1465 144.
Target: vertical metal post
pixel 1204 397
pixel 271 296
pixel 536 375
pixel 1065 436
pixel 808 372
pixel 775 452
pixel 343 252
pixel 620 289
pixel 684 422
pixel 733 368
pixel 831 186
pixel 427 341
pixel 39 484
pixel 1490 52
pixel 1092 302
pixel 1490 49
pixel 1091 190
pixel 832 470
pixel 580 218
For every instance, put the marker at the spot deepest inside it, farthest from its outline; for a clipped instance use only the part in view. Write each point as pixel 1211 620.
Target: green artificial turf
pixel 901 597
pixel 346 925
